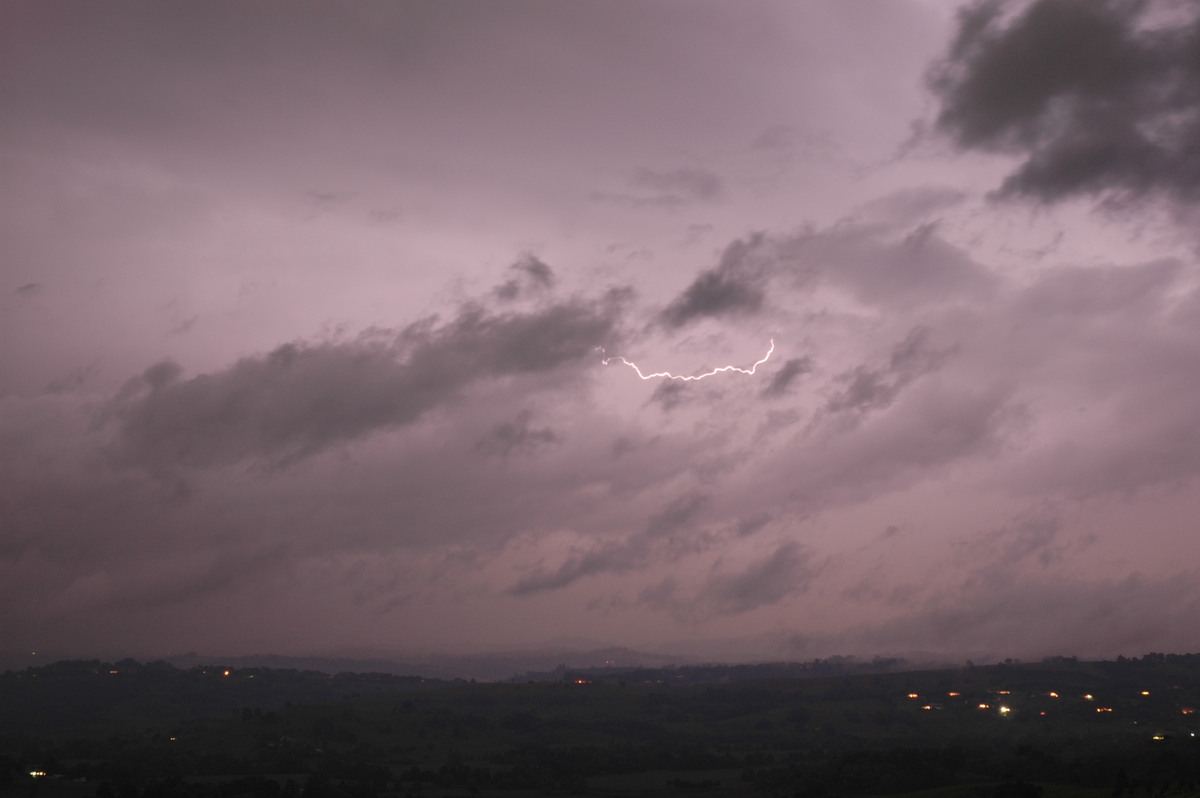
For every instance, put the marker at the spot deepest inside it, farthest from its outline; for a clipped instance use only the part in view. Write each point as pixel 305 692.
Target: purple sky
pixel 301 305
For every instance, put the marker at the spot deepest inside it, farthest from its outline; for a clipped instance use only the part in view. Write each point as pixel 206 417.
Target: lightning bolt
pixel 689 378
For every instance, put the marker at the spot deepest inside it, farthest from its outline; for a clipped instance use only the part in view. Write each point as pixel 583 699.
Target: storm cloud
pixel 302 398
pixel 666 532
pixel 305 320
pixel 1095 97
pixel 792 369
pixel 732 288
pixel 530 276
pixel 783 573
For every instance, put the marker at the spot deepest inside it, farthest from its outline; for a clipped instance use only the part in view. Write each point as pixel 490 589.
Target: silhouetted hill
pixel 1055 728
pixel 76 695
pixel 489 666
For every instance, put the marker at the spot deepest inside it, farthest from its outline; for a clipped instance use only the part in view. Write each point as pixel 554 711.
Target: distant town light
pixel 1104 709
pixel 1052 694
pixel 1005 710
pixel 953 694
pixel 985 706
pixel 37 774
pixel 914 695
pixel 1089 697
pixel 1145 692
pixel 226 673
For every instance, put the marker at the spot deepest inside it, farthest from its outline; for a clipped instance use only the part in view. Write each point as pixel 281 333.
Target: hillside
pixel 1058 727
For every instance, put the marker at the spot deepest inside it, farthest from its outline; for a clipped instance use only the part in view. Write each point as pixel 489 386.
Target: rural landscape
pixel 1060 727
pixel 600 398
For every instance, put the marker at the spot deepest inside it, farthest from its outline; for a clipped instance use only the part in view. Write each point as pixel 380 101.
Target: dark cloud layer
pixel 517 436
pixel 531 275
pixel 210 181
pixel 1096 95
pixel 781 574
pixel 792 370
pixel 302 398
pixel 871 388
pixel 733 288
pixel 665 532
pixel 1034 617
pixel 882 265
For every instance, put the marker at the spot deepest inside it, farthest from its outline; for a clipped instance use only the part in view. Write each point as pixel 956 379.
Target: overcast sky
pixel 304 312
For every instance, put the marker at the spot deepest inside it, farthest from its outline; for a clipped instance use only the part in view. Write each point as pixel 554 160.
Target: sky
pixel 315 322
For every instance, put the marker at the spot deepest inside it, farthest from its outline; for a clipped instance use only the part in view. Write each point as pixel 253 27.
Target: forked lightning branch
pixel 666 375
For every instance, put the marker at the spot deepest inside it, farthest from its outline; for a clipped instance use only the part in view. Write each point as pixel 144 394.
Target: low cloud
pixel 792 370
pixel 669 395
pixel 1032 618
pixel 911 206
pixel 668 189
pixel 867 388
pixel 642 550
pixel 781 574
pixel 517 436
pixel 884 265
pixel 688 183
pixel 926 430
